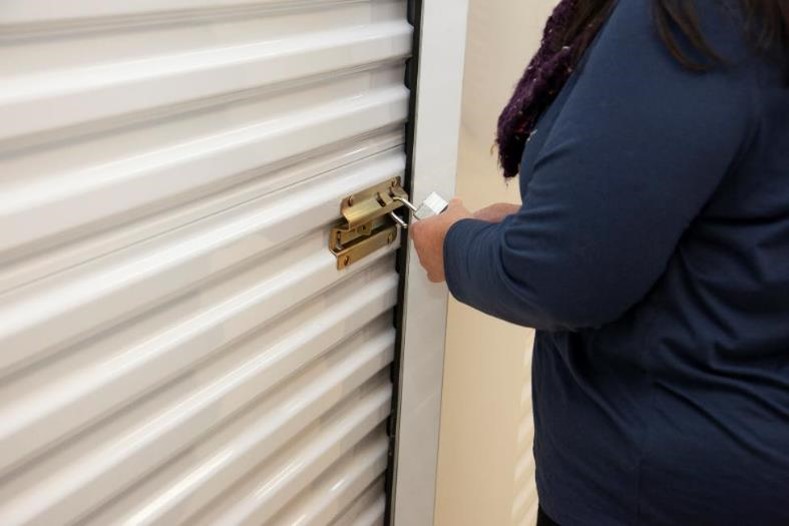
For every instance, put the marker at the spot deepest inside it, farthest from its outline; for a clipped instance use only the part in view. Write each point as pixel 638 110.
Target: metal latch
pixel 369 222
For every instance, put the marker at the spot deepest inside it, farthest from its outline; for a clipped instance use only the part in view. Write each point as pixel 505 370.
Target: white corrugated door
pixel 177 345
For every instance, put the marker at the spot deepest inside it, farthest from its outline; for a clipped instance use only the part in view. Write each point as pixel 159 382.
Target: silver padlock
pixel 433 205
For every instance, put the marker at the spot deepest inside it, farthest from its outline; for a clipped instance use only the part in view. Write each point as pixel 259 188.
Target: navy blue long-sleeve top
pixel 652 254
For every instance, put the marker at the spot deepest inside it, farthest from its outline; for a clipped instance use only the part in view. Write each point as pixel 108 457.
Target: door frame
pixel 436 73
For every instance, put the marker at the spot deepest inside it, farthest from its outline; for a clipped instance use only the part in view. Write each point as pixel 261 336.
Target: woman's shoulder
pixel 721 28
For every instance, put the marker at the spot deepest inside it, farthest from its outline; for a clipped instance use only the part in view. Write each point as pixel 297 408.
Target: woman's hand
pixel 497 212
pixel 429 235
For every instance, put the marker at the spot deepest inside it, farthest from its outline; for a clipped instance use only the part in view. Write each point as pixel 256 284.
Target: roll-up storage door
pixel 177 345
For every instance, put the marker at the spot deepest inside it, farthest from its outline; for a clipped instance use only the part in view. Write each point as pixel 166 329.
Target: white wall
pixel 486 468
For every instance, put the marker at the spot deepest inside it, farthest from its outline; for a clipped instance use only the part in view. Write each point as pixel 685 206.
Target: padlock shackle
pixel 406 202
pixel 398 220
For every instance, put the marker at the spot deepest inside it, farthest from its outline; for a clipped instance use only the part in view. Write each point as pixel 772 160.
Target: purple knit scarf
pixel 547 73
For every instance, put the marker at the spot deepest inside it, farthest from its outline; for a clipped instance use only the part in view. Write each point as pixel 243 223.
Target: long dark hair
pixel 575 23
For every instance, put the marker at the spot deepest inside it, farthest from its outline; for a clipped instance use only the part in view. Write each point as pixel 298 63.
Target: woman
pixel 651 252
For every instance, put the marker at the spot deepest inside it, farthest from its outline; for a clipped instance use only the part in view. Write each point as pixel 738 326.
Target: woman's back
pixel 717 442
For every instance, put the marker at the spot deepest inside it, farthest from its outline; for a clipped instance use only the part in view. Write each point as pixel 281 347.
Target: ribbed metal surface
pixel 177 345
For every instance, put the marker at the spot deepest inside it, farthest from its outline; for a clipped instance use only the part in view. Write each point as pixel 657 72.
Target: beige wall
pixel 486 467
